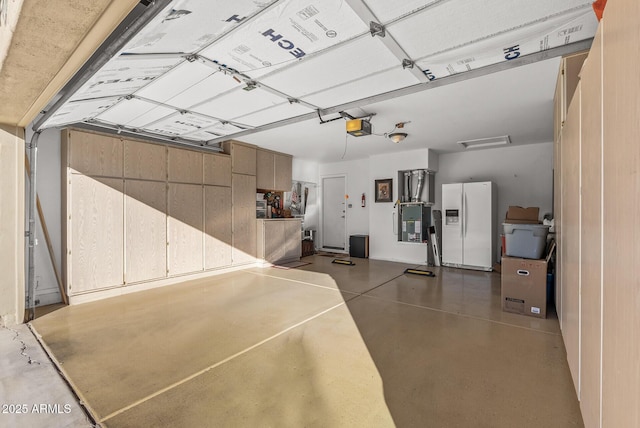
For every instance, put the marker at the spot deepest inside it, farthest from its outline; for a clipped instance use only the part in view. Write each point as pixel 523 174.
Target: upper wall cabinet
pixel 568 79
pixel 265 169
pixel 185 166
pixel 273 170
pixel 243 157
pixel 217 170
pixel 283 172
pixel 145 161
pixel 93 154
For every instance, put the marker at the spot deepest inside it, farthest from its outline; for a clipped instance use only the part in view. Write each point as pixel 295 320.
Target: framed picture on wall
pixel 384 190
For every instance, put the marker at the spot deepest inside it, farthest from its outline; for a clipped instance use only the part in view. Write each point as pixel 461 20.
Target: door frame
pixel 321 216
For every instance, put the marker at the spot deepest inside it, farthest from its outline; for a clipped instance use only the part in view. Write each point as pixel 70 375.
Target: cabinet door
pixel 217 170
pixel 572 66
pixel 185 225
pixel 621 243
pixel 243 159
pixel 146 230
pixel 243 197
pixel 274 243
pixel 571 236
pixel 557 191
pixel 591 248
pixel 94 154
pixel 292 239
pixel 145 161
pixel 265 170
pixel 217 228
pixel 96 241
pixel 282 180
pixel 185 166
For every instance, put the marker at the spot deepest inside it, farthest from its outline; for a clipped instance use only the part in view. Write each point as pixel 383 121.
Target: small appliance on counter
pixel 272 202
pixel 261 209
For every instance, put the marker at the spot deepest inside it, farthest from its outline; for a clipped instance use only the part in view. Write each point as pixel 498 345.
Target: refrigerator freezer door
pixel 452 224
pixel 477 230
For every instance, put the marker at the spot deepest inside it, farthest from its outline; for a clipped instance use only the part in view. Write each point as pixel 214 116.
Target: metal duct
pixel 419 185
pixel 406 190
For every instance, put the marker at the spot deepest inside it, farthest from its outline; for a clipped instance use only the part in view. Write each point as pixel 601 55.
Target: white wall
pixel 49 187
pixel 357 182
pixel 383 240
pixel 307 171
pixel 523 174
pixel 304 170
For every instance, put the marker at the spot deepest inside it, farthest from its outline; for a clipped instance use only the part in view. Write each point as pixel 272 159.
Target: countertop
pixel 279 218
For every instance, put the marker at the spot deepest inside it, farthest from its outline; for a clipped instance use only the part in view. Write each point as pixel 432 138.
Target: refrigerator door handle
pixel 462 214
pixel 464 211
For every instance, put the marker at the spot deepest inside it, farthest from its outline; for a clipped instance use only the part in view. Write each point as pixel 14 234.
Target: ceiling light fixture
pixel 485 142
pixel 396 137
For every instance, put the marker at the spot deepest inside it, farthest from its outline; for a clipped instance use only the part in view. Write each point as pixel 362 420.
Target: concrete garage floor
pixel 32 394
pixel 322 345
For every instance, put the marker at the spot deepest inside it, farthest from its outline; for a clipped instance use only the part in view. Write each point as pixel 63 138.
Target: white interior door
pixel 477 224
pixel 333 213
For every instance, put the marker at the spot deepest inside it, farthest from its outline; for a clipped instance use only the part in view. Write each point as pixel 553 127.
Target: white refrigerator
pixel 469 226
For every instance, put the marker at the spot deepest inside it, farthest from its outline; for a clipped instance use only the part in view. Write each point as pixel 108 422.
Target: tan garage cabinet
pixel 279 240
pixel 273 170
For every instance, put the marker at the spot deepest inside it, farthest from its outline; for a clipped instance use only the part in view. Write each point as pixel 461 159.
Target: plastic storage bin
pixel 526 241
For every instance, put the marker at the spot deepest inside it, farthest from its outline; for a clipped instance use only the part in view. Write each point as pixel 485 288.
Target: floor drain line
pixel 473 317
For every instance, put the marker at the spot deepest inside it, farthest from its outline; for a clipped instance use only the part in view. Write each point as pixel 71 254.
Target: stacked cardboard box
pixel 524 281
pixel 524 285
pixel 519 215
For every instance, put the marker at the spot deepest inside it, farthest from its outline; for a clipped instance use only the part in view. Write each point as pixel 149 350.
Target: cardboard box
pixel 524 285
pixel 519 215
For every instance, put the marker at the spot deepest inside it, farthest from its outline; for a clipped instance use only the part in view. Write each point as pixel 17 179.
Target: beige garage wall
pixel 11 225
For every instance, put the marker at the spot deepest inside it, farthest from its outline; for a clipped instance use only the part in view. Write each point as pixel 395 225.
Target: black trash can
pixel 359 246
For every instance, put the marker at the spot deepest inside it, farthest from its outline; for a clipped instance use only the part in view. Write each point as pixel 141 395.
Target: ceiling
pixel 46 42
pixel 270 72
